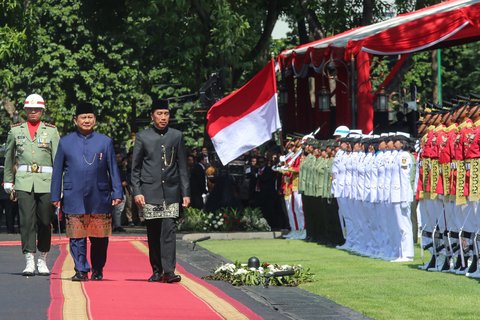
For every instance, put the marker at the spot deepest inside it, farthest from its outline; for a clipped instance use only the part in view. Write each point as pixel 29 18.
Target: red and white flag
pixel 246 118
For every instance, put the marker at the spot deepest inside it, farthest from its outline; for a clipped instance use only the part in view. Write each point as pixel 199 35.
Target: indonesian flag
pixel 246 118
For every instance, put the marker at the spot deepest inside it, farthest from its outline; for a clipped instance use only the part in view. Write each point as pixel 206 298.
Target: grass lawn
pixel 375 288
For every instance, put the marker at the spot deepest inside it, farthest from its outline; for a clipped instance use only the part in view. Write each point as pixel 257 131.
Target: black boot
pixel 430 264
pixel 473 265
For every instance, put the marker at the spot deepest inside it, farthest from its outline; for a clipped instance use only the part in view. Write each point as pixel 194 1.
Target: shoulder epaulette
pixel 49 125
pixel 15 125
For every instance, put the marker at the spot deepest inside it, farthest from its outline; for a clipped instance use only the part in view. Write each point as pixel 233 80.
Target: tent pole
pixel 352 91
pixel 439 76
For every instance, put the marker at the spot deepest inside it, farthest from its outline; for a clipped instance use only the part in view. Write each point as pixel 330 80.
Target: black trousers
pixel 36 212
pixel 161 235
pixel 11 212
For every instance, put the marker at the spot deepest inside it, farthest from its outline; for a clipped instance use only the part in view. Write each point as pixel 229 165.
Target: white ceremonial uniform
pixel 338 187
pixel 375 212
pixel 368 209
pixel 406 192
pixel 381 205
pixel 391 228
pixel 347 214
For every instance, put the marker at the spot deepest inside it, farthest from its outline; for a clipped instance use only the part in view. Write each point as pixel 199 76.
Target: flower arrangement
pixel 240 274
pixel 214 222
pixel 253 220
pixel 225 219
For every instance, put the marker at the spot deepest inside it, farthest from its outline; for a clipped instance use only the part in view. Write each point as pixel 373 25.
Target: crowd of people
pixel 447 186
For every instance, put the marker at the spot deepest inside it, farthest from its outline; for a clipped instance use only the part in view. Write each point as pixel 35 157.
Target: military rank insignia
pixel 43 141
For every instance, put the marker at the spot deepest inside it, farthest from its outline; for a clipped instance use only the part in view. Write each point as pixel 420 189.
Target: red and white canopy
pixel 446 24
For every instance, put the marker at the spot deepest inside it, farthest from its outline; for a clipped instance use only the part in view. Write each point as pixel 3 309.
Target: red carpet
pixel 125 294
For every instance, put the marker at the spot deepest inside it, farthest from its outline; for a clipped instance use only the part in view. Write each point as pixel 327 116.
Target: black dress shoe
pixel 80 276
pixel 156 277
pixel 97 275
pixel 171 278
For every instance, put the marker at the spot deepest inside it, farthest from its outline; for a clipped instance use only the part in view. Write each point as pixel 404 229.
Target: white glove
pixel 8 186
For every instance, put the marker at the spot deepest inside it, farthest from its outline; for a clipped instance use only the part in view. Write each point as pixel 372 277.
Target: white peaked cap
pixel 34 101
pixel 399 133
pixel 356 131
pixel 341 131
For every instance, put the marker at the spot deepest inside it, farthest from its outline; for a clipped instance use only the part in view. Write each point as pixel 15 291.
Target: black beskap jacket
pixel 159 166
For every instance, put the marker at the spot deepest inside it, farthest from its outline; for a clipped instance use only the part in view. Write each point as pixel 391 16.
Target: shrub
pixel 225 219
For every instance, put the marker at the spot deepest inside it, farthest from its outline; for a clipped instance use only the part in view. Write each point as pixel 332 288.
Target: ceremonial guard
pixel 30 150
pixel 470 141
pixel 86 172
pixel 293 199
pixel 446 222
pixel 428 209
pixel 401 198
pixel 338 184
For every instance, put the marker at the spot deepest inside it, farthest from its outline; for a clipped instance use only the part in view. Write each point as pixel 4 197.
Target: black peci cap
pixel 159 104
pixel 84 107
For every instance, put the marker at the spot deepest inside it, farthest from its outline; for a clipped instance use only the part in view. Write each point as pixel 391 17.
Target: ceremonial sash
pixel 446 178
pixel 434 177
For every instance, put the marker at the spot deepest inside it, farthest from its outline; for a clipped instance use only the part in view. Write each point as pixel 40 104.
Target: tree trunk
pixel 367 13
pixel 434 76
pixel 314 25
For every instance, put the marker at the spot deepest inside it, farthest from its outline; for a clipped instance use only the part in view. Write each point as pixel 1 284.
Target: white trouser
pixel 450 216
pixel 404 221
pixel 369 229
pixel 356 219
pixel 383 216
pixel 296 217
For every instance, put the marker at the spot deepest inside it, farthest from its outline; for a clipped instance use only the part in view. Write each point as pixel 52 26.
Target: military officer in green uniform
pixel 30 150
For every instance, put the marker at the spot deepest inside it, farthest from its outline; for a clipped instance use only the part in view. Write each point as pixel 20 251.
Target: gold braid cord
pixel 446 178
pixel 426 177
pixel 474 176
pixel 461 172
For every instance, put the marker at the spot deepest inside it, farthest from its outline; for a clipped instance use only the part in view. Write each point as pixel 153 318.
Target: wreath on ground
pixel 239 274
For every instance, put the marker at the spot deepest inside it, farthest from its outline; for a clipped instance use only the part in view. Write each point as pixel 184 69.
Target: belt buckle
pixel 35 168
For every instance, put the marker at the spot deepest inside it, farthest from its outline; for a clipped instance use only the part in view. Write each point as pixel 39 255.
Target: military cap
pixel 309 142
pixel 401 136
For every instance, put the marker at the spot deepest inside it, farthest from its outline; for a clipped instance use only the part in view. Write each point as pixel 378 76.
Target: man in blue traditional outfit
pixel 85 169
